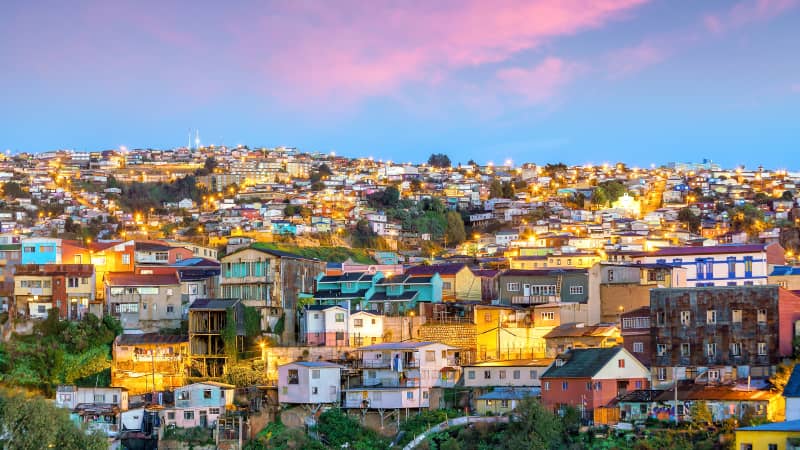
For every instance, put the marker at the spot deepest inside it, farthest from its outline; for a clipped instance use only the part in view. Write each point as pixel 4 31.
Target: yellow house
pixel 770 436
pixel 578 260
pixel 458 281
pixel 510 328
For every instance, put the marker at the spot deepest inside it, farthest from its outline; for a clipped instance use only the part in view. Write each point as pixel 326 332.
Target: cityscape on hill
pixel 400 225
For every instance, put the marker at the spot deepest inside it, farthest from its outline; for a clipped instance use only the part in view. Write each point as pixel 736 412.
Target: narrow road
pixel 457 422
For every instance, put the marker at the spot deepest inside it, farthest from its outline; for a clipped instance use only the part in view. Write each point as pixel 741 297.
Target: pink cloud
pixel 630 60
pixel 537 84
pixel 353 50
pixel 746 12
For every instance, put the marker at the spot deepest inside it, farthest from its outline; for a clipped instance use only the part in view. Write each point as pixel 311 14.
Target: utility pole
pixel 675 380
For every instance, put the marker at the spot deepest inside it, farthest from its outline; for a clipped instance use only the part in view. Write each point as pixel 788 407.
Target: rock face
pixel 458 335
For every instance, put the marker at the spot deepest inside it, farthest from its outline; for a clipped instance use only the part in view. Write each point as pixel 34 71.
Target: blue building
pixel 41 251
pixel 394 295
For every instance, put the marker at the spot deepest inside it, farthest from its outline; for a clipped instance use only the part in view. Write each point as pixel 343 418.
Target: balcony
pixel 533 299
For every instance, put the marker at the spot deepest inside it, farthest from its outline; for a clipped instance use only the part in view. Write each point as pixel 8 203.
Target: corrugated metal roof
pixel 130 279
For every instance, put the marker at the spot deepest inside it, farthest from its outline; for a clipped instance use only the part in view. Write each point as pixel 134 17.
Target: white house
pixel 792 394
pixel 199 404
pixel 505 237
pixel 401 374
pixel 326 325
pixel 366 328
pixel 515 373
pixel 720 265
pixel 309 382
pixel 98 409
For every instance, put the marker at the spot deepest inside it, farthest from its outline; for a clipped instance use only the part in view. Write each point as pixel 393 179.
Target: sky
pixel 639 81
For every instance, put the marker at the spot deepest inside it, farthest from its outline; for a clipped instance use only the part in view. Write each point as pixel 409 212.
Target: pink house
pixel 788 318
pixel 326 325
pixel 590 378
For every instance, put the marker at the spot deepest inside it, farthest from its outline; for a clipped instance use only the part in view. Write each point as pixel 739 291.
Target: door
pixel 526 290
pixel 203 419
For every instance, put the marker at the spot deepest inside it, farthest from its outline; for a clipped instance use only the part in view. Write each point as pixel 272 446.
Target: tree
pixel 507 190
pixel 439 160
pixel 495 189
pixel 747 218
pixel 455 228
pixel 599 197
pixel 700 415
pixel 13 190
pixel 692 221
pixel 533 427
pixel 787 195
pixel 614 189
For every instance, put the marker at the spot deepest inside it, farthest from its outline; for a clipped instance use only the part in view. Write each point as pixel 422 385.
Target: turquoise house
pixel 41 251
pixel 393 295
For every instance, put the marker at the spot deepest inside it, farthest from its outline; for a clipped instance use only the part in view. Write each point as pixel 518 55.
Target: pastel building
pixel 41 251
pixel 307 382
pixel 199 405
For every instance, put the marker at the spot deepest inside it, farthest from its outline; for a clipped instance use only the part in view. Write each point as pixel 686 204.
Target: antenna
pixel 196 139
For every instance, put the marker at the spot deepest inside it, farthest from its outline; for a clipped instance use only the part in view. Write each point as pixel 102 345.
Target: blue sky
pixel 541 81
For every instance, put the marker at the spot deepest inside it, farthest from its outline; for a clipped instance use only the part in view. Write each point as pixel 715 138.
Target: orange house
pixel 115 256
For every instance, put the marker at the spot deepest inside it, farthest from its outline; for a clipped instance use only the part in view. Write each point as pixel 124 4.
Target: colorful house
pixel 326 325
pixel 458 281
pixel 590 378
pixel 309 382
pixel 199 405
pixel 503 400
pixel 791 392
pixel 41 251
pixel 769 436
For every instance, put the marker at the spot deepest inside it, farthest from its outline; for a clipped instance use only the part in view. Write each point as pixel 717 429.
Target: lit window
pixel 762 316
pixel 686 318
pixel 686 350
pixel 711 316
pixel 736 316
pixel 762 348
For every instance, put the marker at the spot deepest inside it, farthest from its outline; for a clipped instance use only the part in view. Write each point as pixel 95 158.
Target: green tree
pixel 13 190
pixel 495 189
pixel 692 221
pixel 614 189
pixel 508 190
pixel 600 197
pixel 700 415
pixel 455 228
pixel 747 218
pixel 439 160
pixel 787 195
pixel 533 427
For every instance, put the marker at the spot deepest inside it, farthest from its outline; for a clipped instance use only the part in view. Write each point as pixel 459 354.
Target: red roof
pixel 712 250
pixel 130 279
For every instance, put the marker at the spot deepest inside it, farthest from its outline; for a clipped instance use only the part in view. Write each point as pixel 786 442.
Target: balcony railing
pixel 382 364
pixel 533 299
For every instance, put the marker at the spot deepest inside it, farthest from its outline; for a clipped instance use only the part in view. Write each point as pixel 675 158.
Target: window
pixel 748 266
pixel 588 385
pixel 487 374
pixel 636 322
pixel 183 395
pixel 660 318
pixel 638 347
pixel 72 282
pixel 711 350
pixel 762 316
pixel 358 323
pixel 686 318
pixel 48 249
pixel 686 350
pixel 502 374
pixel 171 415
pixel 576 290
pixel 99 398
pixel 487 317
pixel 339 317
pixel 504 403
pixel 213 411
pixel 534 374
pixel 546 385
pixel 446 286
pixel 736 349
pixel 471 374
pixel 512 287
pixel 621 363
pixel 316 315
pixel 126 259
pixel 339 336
pixel 564 385
pixel 188 415
pixel 292 377
pixel 638 384
pixel 29 249
pixel 762 348
pixel 661 373
pixel 610 275
pixel 711 316
pixel 314 390
pixel 430 355
pixel 206 393
pixel 598 386
pixel 731 267
pixel 410 395
pixel 736 316
pixel 550 315
pixel 170 309
pixel 713 375
pixel 516 374
pixel 315 374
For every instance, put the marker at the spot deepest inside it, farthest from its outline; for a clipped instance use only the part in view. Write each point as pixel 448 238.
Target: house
pixel 508 373
pixel 199 405
pixel 721 265
pixel 791 392
pixel 769 436
pixel 106 257
pixel 271 280
pixel 590 378
pixel 398 295
pixel 721 333
pixel 787 277
pixel 146 302
pixel 366 328
pixel 98 409
pixel 41 250
pixel 458 281
pixel 397 375
pixel 503 400
pixel 531 287
pixel 490 284
pixel 208 319
pixel 68 288
pixel 159 253
pixel 306 382
pixel 615 288
pixel 576 335
pixel 635 334
pixel 164 358
pixel 326 325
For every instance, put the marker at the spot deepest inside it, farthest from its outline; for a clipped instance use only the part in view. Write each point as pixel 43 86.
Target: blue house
pixel 283 227
pixel 348 290
pixel 41 251
pixel 375 292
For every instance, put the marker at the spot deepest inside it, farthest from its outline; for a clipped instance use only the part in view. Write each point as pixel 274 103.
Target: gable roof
pixel 583 363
